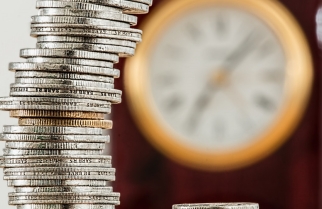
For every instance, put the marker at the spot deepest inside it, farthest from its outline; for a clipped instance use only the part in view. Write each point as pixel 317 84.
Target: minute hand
pixel 241 52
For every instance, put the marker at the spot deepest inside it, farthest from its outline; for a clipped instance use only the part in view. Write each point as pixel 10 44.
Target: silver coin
pixel 129 7
pixel 60 171
pixel 55 138
pixel 19 152
pixel 217 206
pixel 105 165
pixel 36 183
pixel 47 90
pixel 45 19
pixel 54 161
pixel 89 13
pixel 79 39
pixel 54 108
pixel 51 103
pixel 57 75
pixel 90 31
pixel 120 50
pixel 68 53
pixel 80 175
pixel 148 2
pixel 81 189
pixel 58 159
pixel 44 195
pixel 49 65
pixel 55 145
pixel 51 130
pixel 79 63
pixel 75 5
pixel 69 82
pixel 66 206
pixel 41 19
pixel 75 199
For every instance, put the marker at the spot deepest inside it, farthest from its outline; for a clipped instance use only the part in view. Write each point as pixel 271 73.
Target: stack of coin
pixel 61 95
pixel 217 206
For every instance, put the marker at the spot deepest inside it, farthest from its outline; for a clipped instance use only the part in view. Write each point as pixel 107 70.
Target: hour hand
pixel 200 104
pixel 241 50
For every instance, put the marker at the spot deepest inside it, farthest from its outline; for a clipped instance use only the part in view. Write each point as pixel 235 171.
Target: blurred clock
pixel 219 84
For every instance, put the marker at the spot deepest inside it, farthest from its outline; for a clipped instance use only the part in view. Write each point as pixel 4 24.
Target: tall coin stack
pixel 61 94
pixel 217 206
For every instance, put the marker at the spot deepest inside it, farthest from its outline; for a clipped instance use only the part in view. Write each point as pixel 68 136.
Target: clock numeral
pixel 173 103
pixel 265 103
pixel 194 32
pixel 265 49
pixel 274 76
pixel 219 128
pixel 174 52
pixel 221 24
pixel 246 123
pixel 166 80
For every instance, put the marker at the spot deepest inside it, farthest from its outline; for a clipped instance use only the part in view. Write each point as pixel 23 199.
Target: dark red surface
pixel 288 179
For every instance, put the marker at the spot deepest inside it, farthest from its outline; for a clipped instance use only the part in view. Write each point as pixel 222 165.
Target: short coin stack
pixel 217 206
pixel 61 95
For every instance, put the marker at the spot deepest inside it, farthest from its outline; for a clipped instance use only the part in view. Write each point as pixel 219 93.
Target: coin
pixel 40 19
pixel 120 50
pixel 51 130
pixel 56 161
pixel 69 82
pixel 89 13
pixel 20 152
pixel 55 145
pixel 106 173
pixel 127 6
pixel 89 31
pixel 56 104
pixel 105 124
pixel 48 182
pixel 58 75
pixel 68 61
pixel 217 206
pixel 45 195
pixel 75 5
pixel 54 138
pixel 79 39
pixel 59 199
pixel 81 189
pixel 49 65
pixel 55 114
pixel 52 90
pixel 65 206
pixel 68 53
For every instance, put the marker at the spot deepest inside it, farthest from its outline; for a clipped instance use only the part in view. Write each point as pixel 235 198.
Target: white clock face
pixel 217 78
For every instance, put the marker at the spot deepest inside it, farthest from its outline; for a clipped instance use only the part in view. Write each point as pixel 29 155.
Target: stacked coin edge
pixel 61 95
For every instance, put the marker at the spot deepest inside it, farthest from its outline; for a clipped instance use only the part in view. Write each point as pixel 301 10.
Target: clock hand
pixel 207 94
pixel 200 105
pixel 240 53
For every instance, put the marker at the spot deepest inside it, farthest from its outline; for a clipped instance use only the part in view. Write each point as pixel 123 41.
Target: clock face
pixel 219 84
pixel 217 78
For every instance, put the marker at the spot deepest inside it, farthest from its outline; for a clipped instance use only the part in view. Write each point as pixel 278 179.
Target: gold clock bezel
pixel 299 76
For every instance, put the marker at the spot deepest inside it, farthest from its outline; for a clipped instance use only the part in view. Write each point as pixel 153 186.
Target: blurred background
pixel 217 115
pixel 208 114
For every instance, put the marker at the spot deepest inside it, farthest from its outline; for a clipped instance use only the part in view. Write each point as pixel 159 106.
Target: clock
pixel 219 84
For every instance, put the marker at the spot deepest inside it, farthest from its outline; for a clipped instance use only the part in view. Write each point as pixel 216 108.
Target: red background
pixel 288 179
